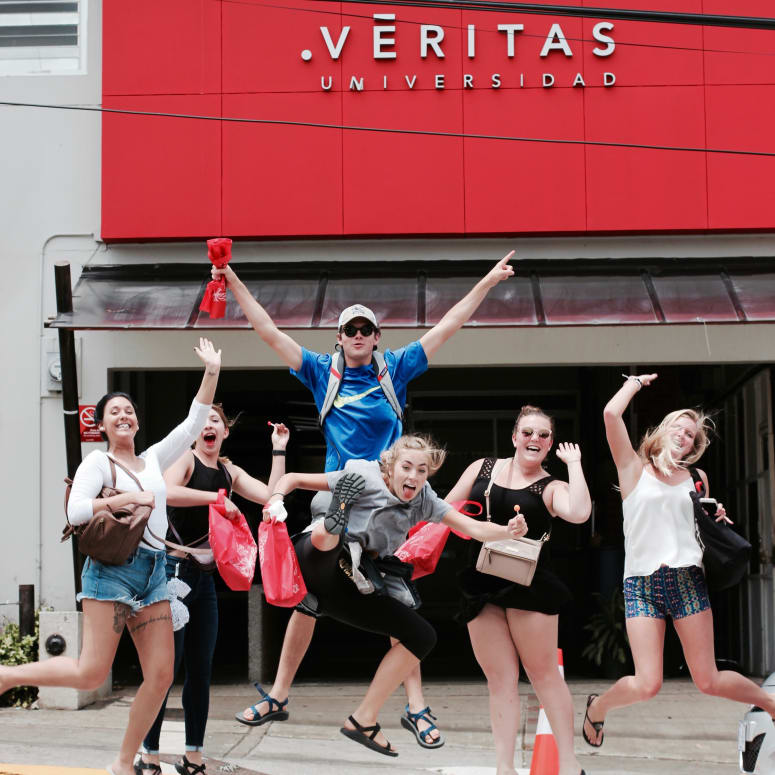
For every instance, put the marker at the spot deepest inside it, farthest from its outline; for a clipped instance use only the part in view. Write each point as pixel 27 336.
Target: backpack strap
pixel 336 373
pixel 386 382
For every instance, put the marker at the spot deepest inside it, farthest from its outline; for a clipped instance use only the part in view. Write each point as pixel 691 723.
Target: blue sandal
pixel 409 721
pixel 280 714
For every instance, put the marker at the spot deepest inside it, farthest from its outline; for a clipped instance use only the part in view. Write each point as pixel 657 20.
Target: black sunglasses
pixel 367 329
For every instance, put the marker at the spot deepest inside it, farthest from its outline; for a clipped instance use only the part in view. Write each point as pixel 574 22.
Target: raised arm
pixel 288 350
pixel 462 311
pixel 571 501
pixel 254 489
pixel 628 464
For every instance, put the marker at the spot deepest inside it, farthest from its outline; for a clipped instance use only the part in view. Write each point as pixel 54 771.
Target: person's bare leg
pixel 696 634
pixel 392 670
pixel 647 641
pixel 151 631
pixel 416 699
pixel 536 637
pixel 103 623
pixel 496 654
pixel 298 636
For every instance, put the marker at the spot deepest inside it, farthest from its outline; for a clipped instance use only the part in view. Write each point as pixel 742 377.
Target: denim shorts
pixel 140 582
pixel 674 592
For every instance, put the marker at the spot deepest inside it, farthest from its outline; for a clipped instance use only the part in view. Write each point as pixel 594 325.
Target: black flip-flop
pixel 346 491
pixel 409 721
pixel 281 714
pixel 596 725
pixel 359 736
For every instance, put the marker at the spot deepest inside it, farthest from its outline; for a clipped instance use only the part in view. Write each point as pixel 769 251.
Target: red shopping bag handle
pixel 221 496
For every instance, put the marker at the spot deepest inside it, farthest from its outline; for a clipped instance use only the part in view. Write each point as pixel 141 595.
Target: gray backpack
pixel 335 380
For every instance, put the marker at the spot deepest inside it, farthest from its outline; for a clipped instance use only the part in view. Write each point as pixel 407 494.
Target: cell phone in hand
pixel 710 505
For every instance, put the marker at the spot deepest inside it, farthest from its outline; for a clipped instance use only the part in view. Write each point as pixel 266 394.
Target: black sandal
pixel 409 721
pixel 359 736
pixel 185 767
pixel 142 767
pixel 346 491
pixel 281 714
pixel 596 725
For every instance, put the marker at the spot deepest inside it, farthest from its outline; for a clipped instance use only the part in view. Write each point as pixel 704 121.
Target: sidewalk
pixel 680 732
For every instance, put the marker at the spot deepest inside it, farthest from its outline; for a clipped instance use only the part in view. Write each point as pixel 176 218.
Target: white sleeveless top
pixel 659 527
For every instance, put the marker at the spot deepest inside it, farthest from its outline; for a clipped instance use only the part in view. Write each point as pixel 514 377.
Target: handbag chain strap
pixel 496 469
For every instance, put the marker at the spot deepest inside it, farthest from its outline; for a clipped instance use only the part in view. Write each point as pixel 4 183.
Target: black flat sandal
pixel 141 767
pixel 359 736
pixel 185 767
pixel 596 725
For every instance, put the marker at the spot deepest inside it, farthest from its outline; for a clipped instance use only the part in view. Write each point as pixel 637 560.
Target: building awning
pixel 416 294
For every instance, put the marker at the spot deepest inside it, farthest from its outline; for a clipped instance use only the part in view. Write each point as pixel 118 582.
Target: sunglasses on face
pixel 367 329
pixel 528 433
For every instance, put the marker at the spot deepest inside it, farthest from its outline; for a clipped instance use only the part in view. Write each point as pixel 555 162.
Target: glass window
pixel 694 298
pixel 392 299
pixel 596 300
pixel 289 303
pixel 40 37
pixel 509 303
pixel 757 294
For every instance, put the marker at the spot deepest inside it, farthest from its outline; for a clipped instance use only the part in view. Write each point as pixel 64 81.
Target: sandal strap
pixel 268 698
pixel 374 729
pixel 424 714
pixel 192 769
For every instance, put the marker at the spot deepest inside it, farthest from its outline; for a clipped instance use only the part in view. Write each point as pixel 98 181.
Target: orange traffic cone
pixel 545 759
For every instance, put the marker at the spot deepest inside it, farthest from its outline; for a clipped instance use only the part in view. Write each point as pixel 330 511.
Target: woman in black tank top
pixel 192 485
pixel 506 621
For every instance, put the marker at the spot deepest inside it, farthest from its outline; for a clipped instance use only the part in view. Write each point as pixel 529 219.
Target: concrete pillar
pixel 69 625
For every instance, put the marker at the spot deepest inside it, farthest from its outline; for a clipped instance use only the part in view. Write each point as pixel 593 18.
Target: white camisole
pixel 659 527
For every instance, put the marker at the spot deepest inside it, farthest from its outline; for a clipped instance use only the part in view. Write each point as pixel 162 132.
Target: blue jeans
pixel 194 645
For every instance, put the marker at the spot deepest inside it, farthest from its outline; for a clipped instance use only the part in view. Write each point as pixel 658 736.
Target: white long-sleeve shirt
pixel 94 473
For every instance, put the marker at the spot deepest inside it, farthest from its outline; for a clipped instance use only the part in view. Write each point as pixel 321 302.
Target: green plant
pixel 18 650
pixel 608 636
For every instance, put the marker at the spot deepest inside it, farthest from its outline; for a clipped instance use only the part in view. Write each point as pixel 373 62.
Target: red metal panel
pixel 524 187
pixel 741 190
pixel 282 180
pixel 161 177
pixel 645 189
pixel 263 45
pixel 403 183
pixel 152 47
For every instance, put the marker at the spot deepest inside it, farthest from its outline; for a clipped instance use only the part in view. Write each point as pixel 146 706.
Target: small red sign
pixel 89 430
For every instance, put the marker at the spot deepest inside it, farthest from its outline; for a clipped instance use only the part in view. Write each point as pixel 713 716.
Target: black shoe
pixel 185 767
pixel 346 491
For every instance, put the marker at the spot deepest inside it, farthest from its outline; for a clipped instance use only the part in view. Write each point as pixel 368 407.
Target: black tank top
pixel 192 522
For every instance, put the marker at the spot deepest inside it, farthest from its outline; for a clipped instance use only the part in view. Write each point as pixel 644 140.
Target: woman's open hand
pixel 568 453
pixel 208 355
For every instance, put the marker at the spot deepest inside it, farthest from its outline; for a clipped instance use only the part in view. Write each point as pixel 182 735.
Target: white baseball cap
pixel 357 311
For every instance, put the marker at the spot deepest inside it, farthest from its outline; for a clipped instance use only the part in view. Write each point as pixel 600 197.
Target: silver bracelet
pixel 637 379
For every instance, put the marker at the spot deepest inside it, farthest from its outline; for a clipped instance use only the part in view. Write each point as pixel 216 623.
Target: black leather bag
pixel 725 553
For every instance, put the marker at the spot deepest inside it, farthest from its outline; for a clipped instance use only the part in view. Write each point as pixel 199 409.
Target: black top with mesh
pixel 546 594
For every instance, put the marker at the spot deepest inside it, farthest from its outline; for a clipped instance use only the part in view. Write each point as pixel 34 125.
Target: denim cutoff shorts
pixel 140 582
pixel 674 592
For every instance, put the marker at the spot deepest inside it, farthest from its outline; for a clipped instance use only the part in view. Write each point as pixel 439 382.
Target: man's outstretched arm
pixel 286 348
pixel 462 311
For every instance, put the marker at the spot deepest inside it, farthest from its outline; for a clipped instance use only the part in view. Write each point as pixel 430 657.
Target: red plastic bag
pixel 214 300
pixel 233 547
pixel 426 542
pixel 280 572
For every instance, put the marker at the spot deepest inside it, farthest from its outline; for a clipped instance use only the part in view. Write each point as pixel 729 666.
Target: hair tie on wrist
pixel 281 494
pixel 637 379
pixel 278 453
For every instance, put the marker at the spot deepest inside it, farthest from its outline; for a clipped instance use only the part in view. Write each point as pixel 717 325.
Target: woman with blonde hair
pixel 374 505
pixel 509 622
pixel 663 573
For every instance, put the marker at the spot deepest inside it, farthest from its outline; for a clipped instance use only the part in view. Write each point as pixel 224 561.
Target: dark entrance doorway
pixel 471 411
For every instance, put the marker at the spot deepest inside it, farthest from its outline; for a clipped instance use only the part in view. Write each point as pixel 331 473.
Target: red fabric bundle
pixel 214 300
pixel 233 546
pixel 426 542
pixel 283 583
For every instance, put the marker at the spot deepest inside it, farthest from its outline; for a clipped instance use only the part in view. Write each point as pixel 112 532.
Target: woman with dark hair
pixel 193 482
pixel 663 574
pixel 134 594
pixel 507 621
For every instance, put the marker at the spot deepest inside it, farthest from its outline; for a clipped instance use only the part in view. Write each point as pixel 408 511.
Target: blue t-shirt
pixel 361 423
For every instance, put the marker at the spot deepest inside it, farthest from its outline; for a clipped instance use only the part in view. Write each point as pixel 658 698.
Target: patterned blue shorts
pixel 674 592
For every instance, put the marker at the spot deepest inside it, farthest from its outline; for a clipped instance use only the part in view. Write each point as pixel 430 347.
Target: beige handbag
pixel 513 559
